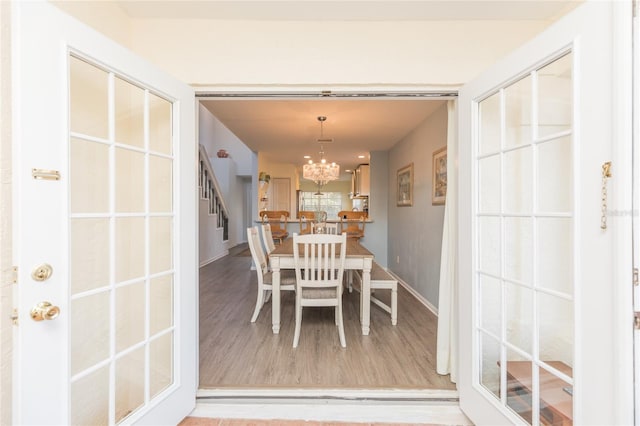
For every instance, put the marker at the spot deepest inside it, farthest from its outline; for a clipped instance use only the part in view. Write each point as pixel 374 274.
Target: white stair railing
pixel 210 190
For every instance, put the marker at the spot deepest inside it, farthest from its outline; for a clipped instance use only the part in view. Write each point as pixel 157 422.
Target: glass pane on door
pixel 525 247
pixel 121 245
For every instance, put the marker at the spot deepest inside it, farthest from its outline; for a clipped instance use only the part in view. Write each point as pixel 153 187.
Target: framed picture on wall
pixel 405 186
pixel 439 176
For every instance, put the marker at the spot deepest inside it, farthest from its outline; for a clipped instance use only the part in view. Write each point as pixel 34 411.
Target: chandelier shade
pixel 322 172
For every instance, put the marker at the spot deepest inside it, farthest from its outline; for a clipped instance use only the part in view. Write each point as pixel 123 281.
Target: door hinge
pixel 45 174
pixel 14 316
pixel 15 275
pixel 635 276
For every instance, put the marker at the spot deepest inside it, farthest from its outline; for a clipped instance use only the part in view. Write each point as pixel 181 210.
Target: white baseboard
pixel 213 259
pixel 415 294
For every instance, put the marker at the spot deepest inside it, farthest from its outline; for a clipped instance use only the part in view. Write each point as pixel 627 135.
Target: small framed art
pixel 439 178
pixel 405 186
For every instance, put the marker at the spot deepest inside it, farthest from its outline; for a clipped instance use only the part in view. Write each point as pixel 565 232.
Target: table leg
pixel 275 295
pixel 365 308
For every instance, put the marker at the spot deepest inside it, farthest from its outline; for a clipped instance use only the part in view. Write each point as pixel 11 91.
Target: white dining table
pixel 357 258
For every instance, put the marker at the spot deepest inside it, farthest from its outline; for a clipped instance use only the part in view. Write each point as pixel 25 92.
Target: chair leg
pixel 259 305
pixel 296 335
pixel 394 306
pixel 343 341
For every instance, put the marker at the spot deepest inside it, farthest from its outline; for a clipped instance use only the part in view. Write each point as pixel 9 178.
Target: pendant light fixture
pixel 321 172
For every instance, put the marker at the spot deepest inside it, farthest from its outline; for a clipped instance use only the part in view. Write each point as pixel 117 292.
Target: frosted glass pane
pixel 161 364
pixel 518 181
pixel 89 254
pixel 489 247
pixel 161 304
pixel 518 249
pixel 518 113
pixel 89 175
pixel 129 248
pixel 160 244
pixel 490 124
pixel 129 113
pixel 519 312
pixel 555 331
pixel 557 394
pixel 160 125
pixel 555 182
pixel 555 254
pixel 89 331
pixel 519 385
pixel 555 101
pixel 160 185
pixel 489 185
pixel 89 403
pixel 129 181
pixel 491 305
pixel 129 383
pixel 89 99
pixel 489 368
pixel 130 311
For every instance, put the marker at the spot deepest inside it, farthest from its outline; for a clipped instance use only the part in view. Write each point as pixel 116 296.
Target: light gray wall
pixel 415 233
pixel 230 172
pixel 216 136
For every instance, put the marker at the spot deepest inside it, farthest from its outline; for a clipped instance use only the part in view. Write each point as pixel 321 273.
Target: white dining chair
pixel 319 267
pixel 267 237
pixel 287 278
pixel 324 228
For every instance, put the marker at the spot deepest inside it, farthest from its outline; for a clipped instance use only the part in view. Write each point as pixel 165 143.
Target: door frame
pixel 622 320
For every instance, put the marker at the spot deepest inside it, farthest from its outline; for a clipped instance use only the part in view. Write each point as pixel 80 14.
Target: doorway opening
pixel 240 356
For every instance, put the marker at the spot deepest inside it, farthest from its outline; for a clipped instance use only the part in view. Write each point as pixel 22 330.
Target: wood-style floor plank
pixel 236 353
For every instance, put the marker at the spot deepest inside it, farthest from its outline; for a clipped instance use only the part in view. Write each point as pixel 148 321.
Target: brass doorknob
pixel 44 311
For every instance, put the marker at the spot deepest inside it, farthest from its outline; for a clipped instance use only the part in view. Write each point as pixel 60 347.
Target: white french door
pixel 105 234
pixel 538 248
pixel 636 204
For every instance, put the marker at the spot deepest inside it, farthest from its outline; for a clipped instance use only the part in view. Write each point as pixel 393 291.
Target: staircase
pixel 214 215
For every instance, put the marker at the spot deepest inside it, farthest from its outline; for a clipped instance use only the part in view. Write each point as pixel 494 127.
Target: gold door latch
pixel 42 272
pixel 44 311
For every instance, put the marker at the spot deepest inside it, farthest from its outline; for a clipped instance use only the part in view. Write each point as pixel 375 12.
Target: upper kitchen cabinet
pixel 360 181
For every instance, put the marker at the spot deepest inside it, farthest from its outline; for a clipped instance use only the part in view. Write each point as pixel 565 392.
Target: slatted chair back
pixel 319 266
pixel 265 283
pixel 352 223
pixel 325 228
pixel 267 237
pixel 306 219
pixel 278 221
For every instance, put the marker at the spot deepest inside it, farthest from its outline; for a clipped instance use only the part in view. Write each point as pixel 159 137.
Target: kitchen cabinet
pixel 361 181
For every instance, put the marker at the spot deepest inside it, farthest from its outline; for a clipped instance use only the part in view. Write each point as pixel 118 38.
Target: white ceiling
pixel 349 10
pixel 287 129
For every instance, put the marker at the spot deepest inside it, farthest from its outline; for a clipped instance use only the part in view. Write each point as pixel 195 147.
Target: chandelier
pixel 321 173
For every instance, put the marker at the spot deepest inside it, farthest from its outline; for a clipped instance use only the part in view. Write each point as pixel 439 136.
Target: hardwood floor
pixel 236 353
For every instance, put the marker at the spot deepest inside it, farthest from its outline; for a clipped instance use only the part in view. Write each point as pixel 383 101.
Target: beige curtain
pixel 447 348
